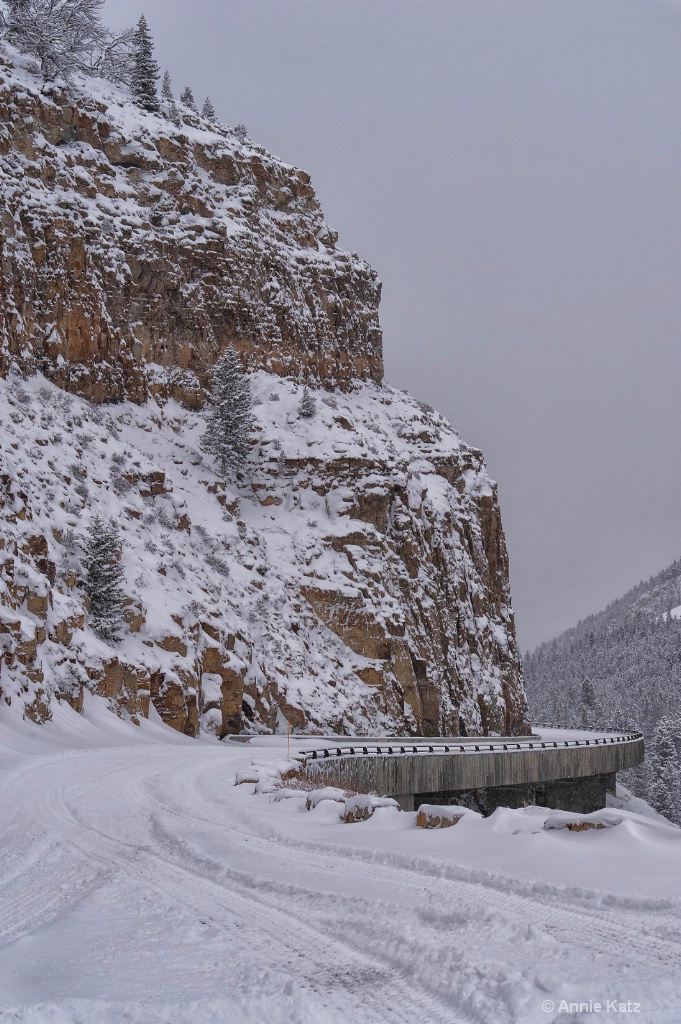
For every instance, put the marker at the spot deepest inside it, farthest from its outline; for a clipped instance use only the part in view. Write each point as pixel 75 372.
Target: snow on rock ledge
pixel 125 240
pixel 357 580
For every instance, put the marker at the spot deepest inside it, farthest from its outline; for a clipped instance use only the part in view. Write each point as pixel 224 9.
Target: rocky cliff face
pixel 128 241
pixel 355 580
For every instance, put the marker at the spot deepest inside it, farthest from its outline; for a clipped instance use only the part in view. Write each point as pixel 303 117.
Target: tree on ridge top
pixel 145 69
pixel 67 36
pixel 187 97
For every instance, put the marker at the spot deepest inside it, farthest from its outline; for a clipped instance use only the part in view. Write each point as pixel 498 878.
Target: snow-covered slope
pixel 357 579
pixel 621 666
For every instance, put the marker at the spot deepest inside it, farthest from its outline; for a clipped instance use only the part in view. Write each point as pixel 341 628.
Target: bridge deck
pixel 400 768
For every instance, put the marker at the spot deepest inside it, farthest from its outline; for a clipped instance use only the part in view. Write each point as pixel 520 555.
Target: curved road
pixel 136 878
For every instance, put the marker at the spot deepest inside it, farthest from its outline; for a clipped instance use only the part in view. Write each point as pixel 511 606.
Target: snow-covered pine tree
pixel 229 419
pixel 166 87
pixel 103 578
pixel 588 704
pixel 241 132
pixel 145 69
pixel 308 405
pixel 208 110
pixel 169 99
pixel 187 97
pixel 662 769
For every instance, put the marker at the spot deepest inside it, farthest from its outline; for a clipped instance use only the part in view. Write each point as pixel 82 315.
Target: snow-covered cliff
pixel 127 240
pixel 355 580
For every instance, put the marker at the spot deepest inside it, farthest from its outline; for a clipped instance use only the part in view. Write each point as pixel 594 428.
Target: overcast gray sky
pixel 512 170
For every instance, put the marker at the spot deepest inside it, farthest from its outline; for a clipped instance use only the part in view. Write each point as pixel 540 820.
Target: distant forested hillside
pixel 621 668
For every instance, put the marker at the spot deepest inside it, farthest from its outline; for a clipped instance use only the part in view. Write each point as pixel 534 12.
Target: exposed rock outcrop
pixel 127 241
pixel 355 580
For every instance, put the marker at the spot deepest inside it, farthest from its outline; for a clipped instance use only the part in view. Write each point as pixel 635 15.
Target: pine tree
pixel 166 87
pixel 241 132
pixel 588 702
pixel 663 770
pixel 187 97
pixel 103 579
pixel 169 99
pixel 308 405
pixel 208 110
pixel 145 70
pixel 229 419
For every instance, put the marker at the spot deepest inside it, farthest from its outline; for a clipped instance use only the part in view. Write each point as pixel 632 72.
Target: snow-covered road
pixel 140 885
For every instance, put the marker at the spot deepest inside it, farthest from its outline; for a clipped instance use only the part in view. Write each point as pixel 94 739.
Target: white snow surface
pixel 141 885
pixel 243 571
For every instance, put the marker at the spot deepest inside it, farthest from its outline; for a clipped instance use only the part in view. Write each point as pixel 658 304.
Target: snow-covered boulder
pixel 362 806
pixel 583 822
pixel 440 815
pixel 317 796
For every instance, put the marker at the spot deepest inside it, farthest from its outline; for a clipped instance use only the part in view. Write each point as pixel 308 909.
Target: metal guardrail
pixel 414 769
pixel 369 750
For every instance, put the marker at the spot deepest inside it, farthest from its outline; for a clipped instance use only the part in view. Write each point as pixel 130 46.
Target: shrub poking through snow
pixel 103 579
pixel 308 405
pixel 229 419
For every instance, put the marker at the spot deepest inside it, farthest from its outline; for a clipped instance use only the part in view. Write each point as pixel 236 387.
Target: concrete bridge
pixel 561 769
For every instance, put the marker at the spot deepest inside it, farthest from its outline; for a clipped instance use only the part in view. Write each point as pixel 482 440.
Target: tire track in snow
pixel 335 963
pixel 271 904
pixel 550 907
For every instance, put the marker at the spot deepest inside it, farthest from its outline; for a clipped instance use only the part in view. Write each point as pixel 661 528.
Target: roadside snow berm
pixel 316 796
pixel 269 776
pixel 583 822
pixel 440 815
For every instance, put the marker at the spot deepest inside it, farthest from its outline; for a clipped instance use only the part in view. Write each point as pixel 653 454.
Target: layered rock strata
pixel 128 241
pixel 355 580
